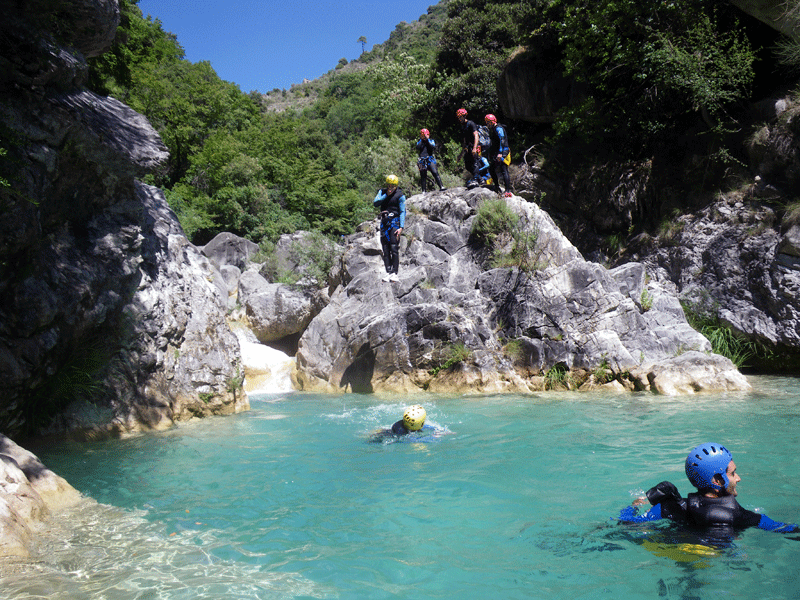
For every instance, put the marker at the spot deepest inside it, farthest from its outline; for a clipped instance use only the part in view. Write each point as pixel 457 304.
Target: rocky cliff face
pixel 106 311
pixel 456 322
pixel 732 255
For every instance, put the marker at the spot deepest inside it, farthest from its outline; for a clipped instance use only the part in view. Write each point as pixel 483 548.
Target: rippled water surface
pixel 290 500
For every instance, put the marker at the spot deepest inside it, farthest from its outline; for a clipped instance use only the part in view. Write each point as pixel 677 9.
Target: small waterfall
pixel 266 370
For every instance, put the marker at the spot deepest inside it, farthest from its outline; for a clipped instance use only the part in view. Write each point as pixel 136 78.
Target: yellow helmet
pixel 414 417
pixel 392 179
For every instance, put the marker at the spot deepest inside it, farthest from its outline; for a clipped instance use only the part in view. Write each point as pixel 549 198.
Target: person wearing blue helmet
pixel 713 509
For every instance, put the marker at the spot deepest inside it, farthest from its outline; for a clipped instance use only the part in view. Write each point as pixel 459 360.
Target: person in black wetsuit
pixel 392 203
pixel 413 420
pixel 498 154
pixel 470 143
pixel 427 161
pixel 713 509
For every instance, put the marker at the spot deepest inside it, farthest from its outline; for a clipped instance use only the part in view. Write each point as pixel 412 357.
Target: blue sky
pixel 266 44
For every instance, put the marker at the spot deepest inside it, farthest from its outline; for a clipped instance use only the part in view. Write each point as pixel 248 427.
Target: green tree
pixel 646 66
pixel 138 41
pixel 477 38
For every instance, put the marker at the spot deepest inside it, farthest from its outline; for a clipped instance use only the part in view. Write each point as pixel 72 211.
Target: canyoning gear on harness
pixel 499 155
pixel 426 147
pixel 704 462
pixel 484 139
pixel 391 202
pixel 414 417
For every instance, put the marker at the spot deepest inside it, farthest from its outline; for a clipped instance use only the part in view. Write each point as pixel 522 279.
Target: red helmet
pixel 461 112
pixel 490 118
pixel 424 132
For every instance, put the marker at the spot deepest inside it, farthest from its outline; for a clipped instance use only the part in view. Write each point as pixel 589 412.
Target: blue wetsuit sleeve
pixel 402 211
pixel 501 134
pixel 768 524
pixel 379 198
pixel 630 514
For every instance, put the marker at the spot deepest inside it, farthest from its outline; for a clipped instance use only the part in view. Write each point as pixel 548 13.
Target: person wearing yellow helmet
pixel 391 201
pixel 413 420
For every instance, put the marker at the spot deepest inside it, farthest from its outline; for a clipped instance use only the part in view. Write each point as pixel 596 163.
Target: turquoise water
pixel 289 500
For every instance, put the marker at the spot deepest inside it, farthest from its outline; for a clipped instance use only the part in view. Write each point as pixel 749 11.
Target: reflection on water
pixel 290 500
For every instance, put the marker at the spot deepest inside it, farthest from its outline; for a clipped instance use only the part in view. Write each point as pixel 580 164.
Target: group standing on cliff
pixel 476 141
pixel 484 149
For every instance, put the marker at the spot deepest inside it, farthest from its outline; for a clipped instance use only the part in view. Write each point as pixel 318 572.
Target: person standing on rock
pixel 499 154
pixel 427 161
pixel 470 143
pixel 713 510
pixel 391 201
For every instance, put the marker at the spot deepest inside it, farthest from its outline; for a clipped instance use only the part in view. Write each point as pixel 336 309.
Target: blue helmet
pixel 704 462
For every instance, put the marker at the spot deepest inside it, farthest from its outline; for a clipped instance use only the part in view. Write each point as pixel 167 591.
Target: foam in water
pixel 266 369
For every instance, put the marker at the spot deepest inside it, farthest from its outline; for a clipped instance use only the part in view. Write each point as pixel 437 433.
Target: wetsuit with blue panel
pixel 711 511
pixel 393 217
pixel 427 162
pixel 716 519
pixel 498 152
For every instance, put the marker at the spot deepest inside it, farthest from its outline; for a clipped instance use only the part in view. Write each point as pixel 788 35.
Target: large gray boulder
pixel 451 320
pixel 230 249
pixel 275 311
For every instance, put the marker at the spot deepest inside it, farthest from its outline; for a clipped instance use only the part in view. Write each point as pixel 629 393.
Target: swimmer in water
pixel 413 420
pixel 713 510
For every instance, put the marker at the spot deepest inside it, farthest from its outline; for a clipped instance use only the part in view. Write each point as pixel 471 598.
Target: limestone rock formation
pixel 729 262
pixel 110 320
pixel 454 322
pixel 274 311
pixel 29 492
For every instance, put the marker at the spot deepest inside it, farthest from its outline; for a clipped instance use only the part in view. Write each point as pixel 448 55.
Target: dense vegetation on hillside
pixel 311 157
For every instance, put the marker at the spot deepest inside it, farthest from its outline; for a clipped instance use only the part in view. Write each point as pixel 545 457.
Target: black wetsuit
pixel 468 129
pixel 427 162
pixel 399 428
pixel 393 217
pixel 718 518
pixel 499 146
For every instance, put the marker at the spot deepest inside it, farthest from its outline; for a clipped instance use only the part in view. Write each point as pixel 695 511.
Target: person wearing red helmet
pixel 499 154
pixel 470 143
pixel 427 161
